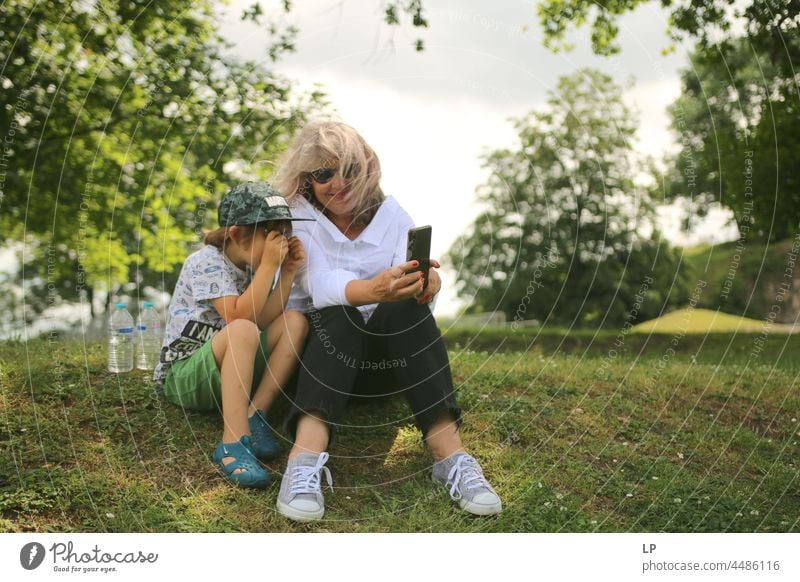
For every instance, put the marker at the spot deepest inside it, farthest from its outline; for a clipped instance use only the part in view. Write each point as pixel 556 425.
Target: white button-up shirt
pixel 334 260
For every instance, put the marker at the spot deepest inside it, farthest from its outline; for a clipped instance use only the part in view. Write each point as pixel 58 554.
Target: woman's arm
pixel 320 281
pixel 328 286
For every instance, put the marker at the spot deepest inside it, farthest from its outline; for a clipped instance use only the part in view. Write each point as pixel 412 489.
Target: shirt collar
pixel 374 233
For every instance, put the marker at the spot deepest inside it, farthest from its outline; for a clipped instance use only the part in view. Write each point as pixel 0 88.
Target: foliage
pixel 749 278
pixel 771 25
pixel 414 9
pixel 123 124
pixel 768 23
pixel 560 239
pixel 738 126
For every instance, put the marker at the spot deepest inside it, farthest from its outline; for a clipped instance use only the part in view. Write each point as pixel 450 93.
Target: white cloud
pixel 650 101
pixel 715 228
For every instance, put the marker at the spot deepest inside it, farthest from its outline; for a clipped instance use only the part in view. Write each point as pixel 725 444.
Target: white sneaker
pixel 300 497
pixel 462 474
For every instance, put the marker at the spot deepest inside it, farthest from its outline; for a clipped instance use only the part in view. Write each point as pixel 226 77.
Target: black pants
pixel 398 351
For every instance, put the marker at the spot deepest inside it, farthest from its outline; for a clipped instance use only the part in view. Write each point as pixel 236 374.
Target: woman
pixel 371 329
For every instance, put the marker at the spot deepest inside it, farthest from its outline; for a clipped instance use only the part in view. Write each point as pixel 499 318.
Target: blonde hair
pixel 332 145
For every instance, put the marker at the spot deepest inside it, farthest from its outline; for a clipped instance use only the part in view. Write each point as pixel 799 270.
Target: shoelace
pixel 465 471
pixel 306 479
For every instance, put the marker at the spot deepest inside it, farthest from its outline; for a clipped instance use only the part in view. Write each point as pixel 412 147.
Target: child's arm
pixel 276 303
pixel 251 303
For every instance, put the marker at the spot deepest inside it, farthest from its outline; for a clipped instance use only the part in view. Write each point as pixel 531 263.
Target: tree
pixel 738 126
pixel 561 237
pixel 123 124
pixel 770 24
pixel 738 113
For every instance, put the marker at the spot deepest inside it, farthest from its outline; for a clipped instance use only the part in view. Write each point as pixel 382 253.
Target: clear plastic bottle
pixel 148 337
pixel 120 340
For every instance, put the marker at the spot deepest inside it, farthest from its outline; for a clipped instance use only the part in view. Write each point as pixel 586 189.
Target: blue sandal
pixel 252 475
pixel 264 444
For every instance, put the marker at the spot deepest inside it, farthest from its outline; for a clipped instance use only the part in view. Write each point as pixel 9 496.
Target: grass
pixel 724 350
pixel 578 434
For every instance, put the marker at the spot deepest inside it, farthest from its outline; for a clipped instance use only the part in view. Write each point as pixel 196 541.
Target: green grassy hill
pixel 705 321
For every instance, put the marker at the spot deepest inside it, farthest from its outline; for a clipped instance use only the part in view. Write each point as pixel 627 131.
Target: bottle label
pixel 141 327
pixel 125 330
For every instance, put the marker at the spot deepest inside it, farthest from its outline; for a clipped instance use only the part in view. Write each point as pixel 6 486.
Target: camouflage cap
pixel 253 202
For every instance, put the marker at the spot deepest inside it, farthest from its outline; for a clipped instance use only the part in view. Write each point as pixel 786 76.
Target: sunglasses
pixel 325 175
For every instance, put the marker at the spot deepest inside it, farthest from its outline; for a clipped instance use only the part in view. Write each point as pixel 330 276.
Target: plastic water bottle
pixel 120 340
pixel 148 337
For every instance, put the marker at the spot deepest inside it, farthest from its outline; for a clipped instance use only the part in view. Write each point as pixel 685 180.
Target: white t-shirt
pixel 193 319
pixel 334 260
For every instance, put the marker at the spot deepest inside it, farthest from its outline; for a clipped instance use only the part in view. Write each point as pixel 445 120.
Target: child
pixel 223 321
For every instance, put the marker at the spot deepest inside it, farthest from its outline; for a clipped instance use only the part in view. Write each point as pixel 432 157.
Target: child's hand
pixel 275 249
pixel 295 257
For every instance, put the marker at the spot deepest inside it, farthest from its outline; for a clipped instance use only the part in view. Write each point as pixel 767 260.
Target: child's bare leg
pixel 234 350
pixel 286 338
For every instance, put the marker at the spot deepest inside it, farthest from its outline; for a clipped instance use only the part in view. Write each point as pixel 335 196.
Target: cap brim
pixel 269 220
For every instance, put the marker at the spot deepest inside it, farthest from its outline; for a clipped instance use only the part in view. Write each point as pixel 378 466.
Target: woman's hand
pixel 295 257
pixel 397 283
pixel 434 284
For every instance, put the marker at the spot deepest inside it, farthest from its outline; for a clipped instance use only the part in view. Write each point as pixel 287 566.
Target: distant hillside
pixel 748 280
pixel 704 321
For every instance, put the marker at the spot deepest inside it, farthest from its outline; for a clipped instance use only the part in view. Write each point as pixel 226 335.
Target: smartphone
pixel 419 249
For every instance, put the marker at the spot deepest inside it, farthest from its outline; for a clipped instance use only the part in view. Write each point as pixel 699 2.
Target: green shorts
pixel 195 383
